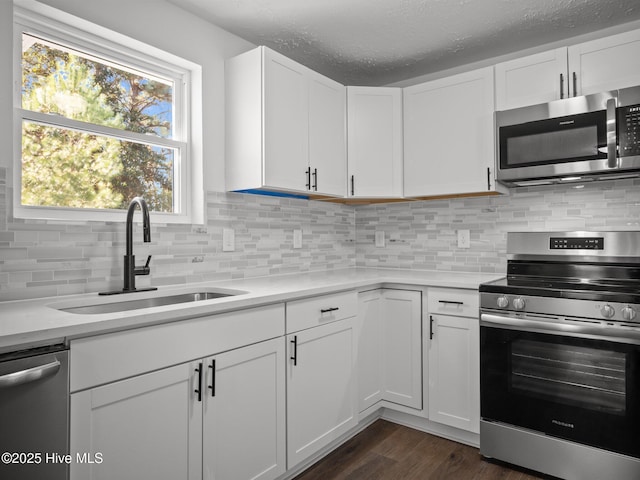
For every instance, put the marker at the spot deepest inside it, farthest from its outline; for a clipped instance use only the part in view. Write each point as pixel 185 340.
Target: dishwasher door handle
pixel 29 375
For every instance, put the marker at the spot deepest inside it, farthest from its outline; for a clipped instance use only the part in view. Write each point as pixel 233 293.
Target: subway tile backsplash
pixel 39 259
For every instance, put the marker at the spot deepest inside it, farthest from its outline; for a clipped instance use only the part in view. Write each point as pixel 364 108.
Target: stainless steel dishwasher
pixel 34 413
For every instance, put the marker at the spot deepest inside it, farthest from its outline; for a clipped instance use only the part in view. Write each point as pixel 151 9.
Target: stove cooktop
pixel 565 288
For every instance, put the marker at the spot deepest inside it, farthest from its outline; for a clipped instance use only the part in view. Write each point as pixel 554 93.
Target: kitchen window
pixel 98 122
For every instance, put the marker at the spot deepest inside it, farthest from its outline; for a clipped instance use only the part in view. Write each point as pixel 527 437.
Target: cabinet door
pixel 370 358
pixel 605 64
pixel 148 426
pixel 244 413
pixel 454 377
pixel 374 117
pixel 321 401
pixel 533 79
pixel 402 347
pixel 449 137
pixel 286 123
pixel 327 145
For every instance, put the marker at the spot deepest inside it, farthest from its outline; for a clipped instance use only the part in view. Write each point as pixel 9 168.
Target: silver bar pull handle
pixel 29 375
pixel 612 147
pixel 560 328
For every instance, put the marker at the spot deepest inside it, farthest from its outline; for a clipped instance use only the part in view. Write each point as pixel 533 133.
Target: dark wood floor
pixel 386 450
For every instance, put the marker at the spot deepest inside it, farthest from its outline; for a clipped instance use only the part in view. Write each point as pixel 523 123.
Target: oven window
pixel 578 376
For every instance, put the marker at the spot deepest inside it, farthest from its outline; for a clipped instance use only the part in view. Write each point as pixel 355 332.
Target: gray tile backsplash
pixel 39 258
pixel 422 235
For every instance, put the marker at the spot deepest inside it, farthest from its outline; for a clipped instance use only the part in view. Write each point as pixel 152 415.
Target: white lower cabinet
pixel 244 413
pixel 321 401
pixel 262 407
pixel 149 426
pixel 390 348
pixel 454 358
pixel 185 422
pixel 370 362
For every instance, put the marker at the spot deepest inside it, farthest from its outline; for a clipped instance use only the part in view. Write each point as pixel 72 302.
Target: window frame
pixel 70 31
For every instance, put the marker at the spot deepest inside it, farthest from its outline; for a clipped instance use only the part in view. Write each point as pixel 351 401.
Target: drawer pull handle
pixel 327 310
pixel 199 389
pixel 430 327
pixel 295 350
pixel 212 387
pixel 451 302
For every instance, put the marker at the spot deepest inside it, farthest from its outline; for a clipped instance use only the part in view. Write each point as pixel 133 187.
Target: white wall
pixel 6 112
pixel 161 25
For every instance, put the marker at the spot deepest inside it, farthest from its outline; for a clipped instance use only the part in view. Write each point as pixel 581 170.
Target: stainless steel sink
pixel 145 302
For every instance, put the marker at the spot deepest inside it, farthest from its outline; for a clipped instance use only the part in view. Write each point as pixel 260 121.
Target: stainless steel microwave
pixel 576 139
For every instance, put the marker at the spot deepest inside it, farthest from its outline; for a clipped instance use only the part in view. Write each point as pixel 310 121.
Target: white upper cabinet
pixel 538 78
pixel 589 67
pixel 286 123
pixel 285 126
pixel 448 135
pixel 374 139
pixel 605 64
pixel 327 140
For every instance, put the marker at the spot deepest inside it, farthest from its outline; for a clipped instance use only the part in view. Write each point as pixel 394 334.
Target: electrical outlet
pixel 379 238
pixel 228 240
pixel 464 239
pixel 297 238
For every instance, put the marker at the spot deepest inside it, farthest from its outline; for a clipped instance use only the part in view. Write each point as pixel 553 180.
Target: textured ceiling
pixel 376 42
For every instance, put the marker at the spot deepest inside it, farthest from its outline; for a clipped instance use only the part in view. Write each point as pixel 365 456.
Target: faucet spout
pixel 146 223
pixel 130 269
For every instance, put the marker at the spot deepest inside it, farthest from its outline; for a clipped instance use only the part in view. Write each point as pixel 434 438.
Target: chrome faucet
pixel 130 269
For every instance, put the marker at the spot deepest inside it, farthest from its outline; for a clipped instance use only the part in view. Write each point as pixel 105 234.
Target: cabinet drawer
pixel 453 301
pixel 312 312
pixel 114 356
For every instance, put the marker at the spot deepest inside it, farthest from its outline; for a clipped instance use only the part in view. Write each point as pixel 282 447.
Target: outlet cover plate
pixel 228 240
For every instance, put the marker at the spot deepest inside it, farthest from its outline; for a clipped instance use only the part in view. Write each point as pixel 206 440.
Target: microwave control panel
pixel 629 131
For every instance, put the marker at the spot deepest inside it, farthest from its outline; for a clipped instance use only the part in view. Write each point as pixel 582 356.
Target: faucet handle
pixel 143 270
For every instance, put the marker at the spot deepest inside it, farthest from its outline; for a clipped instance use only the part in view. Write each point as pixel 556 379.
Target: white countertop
pixel 29 323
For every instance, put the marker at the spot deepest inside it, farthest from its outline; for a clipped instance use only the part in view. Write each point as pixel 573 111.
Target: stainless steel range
pixel 560 355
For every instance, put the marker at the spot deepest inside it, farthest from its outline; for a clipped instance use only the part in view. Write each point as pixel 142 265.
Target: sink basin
pixel 126 305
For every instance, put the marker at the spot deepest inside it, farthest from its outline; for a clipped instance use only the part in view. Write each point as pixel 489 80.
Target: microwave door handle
pixel 612 148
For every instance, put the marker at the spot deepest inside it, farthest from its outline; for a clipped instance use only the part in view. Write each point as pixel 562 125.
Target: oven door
pixel 570 385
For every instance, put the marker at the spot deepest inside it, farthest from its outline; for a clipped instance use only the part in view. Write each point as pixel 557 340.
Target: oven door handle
pixel 590 331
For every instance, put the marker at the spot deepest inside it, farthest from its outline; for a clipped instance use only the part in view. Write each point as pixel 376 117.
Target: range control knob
pixel 503 302
pixel 518 303
pixel 628 313
pixel 607 311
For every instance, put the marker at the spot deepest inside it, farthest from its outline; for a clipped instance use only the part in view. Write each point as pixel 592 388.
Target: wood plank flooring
pixel 386 450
